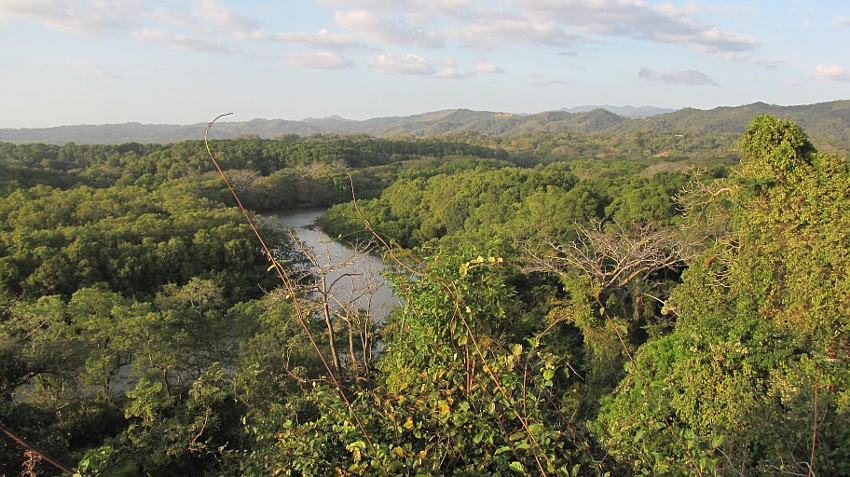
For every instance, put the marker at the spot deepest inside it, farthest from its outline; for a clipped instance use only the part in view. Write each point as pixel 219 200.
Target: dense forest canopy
pixel 642 303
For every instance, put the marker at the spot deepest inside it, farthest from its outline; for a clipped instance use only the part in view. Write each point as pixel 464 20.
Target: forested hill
pixel 827 123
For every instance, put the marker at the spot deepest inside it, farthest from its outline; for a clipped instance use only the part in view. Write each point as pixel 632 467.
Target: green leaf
pixel 517 436
pixel 517 466
pixel 502 449
pixel 716 442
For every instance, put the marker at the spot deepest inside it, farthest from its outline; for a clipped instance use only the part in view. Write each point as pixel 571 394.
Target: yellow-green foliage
pixel 761 340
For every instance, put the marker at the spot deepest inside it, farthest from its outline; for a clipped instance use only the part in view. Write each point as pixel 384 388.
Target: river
pixel 352 276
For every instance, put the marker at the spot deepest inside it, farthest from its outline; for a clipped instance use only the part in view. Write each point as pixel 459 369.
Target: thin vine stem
pixel 290 288
pixel 814 433
pixel 65 470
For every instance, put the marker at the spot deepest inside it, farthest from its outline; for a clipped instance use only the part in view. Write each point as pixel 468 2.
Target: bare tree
pixel 342 285
pixel 612 256
pixel 630 263
pixel 243 179
pixel 706 203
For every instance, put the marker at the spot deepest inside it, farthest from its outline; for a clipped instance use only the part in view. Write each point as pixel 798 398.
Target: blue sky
pixel 186 61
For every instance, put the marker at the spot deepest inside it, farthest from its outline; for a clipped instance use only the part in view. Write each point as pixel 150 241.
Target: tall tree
pixel 754 378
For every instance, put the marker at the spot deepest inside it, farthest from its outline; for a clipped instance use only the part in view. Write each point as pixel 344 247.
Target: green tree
pixel 754 377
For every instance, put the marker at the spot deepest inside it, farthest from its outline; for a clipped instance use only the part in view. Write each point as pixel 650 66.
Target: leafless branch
pixel 343 284
pixel 612 255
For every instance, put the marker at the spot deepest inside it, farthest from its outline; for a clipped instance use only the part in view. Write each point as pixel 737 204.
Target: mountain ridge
pixel 628 110
pixel 828 119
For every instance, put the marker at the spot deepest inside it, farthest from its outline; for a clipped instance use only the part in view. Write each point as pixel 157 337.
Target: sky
pixel 68 62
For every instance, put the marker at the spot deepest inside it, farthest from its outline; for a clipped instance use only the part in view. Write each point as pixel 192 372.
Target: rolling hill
pixel 829 123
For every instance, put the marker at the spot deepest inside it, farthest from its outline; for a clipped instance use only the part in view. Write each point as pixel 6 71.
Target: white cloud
pixel 769 62
pixel 364 4
pixel 163 17
pixel 320 60
pixel 841 21
pixel 321 39
pixel 137 19
pixel 638 20
pixel 452 73
pixel 544 81
pixel 187 42
pixel 503 23
pixel 494 32
pixel 676 77
pixel 95 18
pixel 223 19
pixel 488 68
pixel 216 26
pixel 435 24
pixel 206 26
pixel 387 30
pixel 831 73
pixel 409 64
pixel 412 64
pixel 713 40
pixel 417 11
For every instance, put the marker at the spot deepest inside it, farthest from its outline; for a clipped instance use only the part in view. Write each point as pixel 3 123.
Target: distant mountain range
pixel 625 111
pixel 830 120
